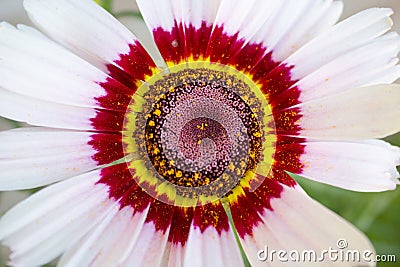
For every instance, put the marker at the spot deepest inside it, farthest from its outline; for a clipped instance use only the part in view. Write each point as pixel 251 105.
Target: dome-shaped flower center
pixel 193 134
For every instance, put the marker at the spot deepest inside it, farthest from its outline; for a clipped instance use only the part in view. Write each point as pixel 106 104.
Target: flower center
pixel 192 135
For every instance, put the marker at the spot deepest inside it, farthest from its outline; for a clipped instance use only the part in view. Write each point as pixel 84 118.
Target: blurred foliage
pixel 108 5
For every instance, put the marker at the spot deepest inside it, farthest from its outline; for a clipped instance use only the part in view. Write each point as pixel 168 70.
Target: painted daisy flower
pixel 144 156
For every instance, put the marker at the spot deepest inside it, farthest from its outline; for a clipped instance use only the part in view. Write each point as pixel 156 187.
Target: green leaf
pixel 106 4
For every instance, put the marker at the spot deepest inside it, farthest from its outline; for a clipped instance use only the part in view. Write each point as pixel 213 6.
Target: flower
pixel 143 157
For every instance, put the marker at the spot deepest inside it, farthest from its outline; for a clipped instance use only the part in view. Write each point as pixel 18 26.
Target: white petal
pixel 209 248
pixel 293 23
pixel 42 113
pixel 362 166
pixel 32 31
pixel 360 113
pixel 362 66
pixel 240 16
pixel 36 67
pixel 35 157
pixel 71 188
pixel 162 14
pixel 230 250
pixel 173 255
pixel 83 27
pixel 299 223
pixel 379 143
pixel 165 14
pixel 148 249
pixel 196 12
pixel 37 141
pixel 344 36
pixel 43 226
pixel 127 238
pixel 168 15
pixel 319 17
pixel 386 76
pixel 109 243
